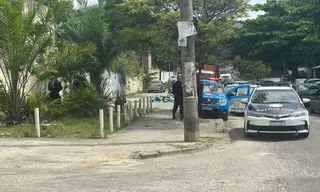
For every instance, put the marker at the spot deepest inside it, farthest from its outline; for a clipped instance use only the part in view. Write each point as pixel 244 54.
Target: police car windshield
pixel 207 88
pixel 274 96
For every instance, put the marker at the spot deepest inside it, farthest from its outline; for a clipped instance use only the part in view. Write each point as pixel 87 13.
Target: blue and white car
pixel 216 100
pixel 242 92
pixel 276 109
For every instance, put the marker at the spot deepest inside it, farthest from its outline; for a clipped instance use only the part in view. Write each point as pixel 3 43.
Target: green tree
pixel 257 70
pixel 126 64
pixel 284 37
pixel 68 62
pixel 24 36
pixel 88 24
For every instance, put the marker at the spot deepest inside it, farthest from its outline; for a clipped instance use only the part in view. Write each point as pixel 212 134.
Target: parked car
pixel 315 103
pixel 243 92
pixel 274 109
pixel 313 81
pixel 298 82
pixel 307 90
pixel 216 100
pixel 156 86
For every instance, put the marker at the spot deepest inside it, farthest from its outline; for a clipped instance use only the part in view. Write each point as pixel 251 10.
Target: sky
pixel 252 14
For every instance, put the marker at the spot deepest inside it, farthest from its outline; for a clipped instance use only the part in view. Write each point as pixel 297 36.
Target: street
pixel 264 163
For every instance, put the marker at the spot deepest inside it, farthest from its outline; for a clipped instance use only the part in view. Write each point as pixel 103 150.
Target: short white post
pixel 151 107
pixel 125 113
pixel 111 118
pixel 135 109
pixel 148 104
pixel 140 107
pixel 37 121
pixel 143 106
pixel 130 112
pixel 101 123
pixel 119 116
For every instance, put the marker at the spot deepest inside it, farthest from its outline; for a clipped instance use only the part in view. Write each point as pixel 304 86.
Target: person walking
pixel 200 87
pixel 177 91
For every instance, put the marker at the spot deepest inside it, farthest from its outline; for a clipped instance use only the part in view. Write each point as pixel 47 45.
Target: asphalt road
pixel 265 163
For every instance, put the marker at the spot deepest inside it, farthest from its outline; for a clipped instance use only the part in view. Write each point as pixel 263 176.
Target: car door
pixel 235 95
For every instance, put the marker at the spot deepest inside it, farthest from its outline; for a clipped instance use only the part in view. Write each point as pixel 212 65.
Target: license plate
pixel 207 108
pixel 277 123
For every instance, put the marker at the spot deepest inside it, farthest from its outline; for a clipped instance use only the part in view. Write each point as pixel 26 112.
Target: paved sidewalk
pixel 152 135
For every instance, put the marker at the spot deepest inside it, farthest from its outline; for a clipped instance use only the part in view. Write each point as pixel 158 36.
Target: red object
pixel 211 68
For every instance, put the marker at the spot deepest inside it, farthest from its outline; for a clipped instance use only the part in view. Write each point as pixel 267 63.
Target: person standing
pixel 199 94
pixel 55 89
pixel 177 91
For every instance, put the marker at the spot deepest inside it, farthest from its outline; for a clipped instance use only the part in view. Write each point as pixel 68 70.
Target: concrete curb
pixel 148 155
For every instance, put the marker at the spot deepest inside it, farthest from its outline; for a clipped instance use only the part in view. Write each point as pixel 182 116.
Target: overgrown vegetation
pixel 78 48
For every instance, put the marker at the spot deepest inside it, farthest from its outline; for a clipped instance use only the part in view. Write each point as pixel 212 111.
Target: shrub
pixel 49 110
pixel 84 102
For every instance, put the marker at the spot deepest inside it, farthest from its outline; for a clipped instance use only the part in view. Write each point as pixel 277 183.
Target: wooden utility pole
pixel 191 119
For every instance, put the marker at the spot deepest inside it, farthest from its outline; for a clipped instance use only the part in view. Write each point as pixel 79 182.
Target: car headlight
pixel 298 114
pixel 222 101
pixel 254 114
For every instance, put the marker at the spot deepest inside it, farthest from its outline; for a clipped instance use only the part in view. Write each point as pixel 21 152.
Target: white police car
pixel 276 109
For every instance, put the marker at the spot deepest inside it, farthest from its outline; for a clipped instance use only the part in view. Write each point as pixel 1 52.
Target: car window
pixel 242 91
pixel 207 88
pixel 156 82
pixel 274 96
pixel 227 88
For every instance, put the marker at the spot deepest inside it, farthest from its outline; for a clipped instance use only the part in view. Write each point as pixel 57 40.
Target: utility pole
pixel 191 118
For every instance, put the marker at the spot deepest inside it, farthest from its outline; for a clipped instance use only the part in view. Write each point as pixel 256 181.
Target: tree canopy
pixel 286 36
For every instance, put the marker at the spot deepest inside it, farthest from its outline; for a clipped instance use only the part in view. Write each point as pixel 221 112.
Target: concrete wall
pixel 133 85
pixel 165 75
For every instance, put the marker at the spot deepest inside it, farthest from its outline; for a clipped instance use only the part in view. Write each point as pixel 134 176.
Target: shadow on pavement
pixel 238 134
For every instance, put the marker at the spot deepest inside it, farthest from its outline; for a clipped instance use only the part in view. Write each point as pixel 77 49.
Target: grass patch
pixel 86 128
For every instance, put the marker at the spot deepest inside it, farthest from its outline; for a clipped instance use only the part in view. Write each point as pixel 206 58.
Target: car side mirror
pixel 244 101
pixel 231 94
pixel 306 101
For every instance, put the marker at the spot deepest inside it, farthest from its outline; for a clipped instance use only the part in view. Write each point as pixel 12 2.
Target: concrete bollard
pixel 111 106
pixel 37 121
pixel 130 112
pixel 125 114
pixel 119 116
pixel 140 107
pixel 148 103
pixel 135 109
pixel 101 123
pixel 151 107
pixel 143 106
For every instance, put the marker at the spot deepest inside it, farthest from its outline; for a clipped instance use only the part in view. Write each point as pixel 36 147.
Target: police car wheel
pixel 304 135
pixel 225 117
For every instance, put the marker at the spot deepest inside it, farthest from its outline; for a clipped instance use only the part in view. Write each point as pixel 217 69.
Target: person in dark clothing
pixel 177 91
pixel 200 87
pixel 54 90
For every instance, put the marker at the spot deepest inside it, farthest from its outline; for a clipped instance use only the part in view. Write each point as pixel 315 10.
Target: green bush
pixel 49 110
pixel 84 102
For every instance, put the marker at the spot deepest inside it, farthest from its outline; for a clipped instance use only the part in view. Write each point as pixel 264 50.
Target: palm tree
pixel 24 36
